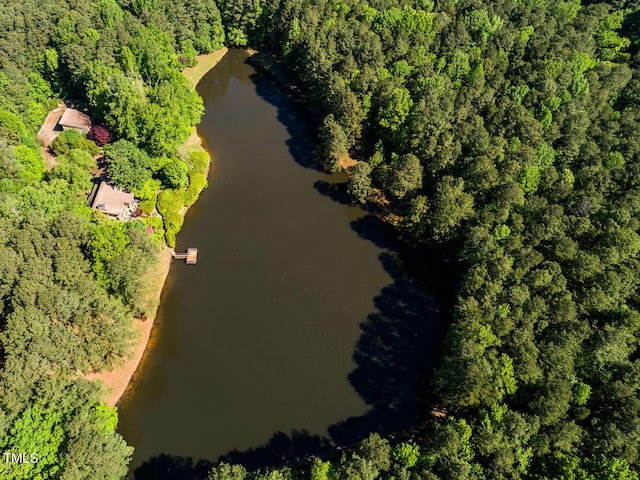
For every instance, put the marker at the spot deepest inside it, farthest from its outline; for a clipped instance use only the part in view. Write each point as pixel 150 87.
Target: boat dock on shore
pixel 190 257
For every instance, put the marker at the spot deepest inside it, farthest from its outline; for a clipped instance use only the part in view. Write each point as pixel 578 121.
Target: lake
pixel 297 330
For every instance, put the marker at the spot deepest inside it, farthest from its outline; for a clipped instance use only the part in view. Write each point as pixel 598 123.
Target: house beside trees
pixel 76 120
pixel 113 201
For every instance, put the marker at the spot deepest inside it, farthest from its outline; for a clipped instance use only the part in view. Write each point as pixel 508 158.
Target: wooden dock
pixel 190 257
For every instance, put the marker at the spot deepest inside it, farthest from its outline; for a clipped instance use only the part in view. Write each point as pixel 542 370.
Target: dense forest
pixel 503 135
pixel 71 280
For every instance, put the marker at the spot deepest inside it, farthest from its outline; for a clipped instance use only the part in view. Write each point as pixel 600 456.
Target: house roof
pixel 73 118
pixel 110 200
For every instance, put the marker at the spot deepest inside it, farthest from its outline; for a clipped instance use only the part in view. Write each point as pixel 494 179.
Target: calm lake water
pixel 296 328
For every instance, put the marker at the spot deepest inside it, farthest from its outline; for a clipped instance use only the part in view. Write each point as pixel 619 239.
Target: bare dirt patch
pixel 48 133
pixel 347 162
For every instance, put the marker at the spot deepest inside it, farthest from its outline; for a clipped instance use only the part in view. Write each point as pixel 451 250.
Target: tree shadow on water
pixel 381 234
pixel 336 191
pixel 280 449
pixel 302 142
pixel 398 348
pixel 165 467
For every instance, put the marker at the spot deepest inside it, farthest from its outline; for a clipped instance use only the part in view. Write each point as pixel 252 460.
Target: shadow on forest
pixel 397 350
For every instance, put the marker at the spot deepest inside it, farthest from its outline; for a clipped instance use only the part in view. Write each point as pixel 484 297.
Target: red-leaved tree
pixel 100 135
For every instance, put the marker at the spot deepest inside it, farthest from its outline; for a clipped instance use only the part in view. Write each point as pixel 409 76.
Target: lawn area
pixel 205 63
pixel 194 75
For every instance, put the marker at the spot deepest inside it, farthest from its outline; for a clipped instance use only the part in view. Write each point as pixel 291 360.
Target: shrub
pixel 172 225
pixel 198 182
pixel 72 139
pixel 188 54
pixel 80 158
pixel 31 162
pixel 148 205
pixel 11 125
pixel 170 202
pixel 155 228
pixel 199 162
pixel 174 174
pixel 100 135
pixel 88 146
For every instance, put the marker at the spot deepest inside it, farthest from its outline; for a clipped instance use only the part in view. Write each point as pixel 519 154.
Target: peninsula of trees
pixel 503 135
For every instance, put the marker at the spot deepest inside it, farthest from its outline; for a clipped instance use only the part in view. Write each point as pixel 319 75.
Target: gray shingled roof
pixel 110 200
pixel 73 118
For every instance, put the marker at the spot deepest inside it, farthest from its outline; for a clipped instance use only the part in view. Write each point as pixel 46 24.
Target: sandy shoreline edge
pixel 116 381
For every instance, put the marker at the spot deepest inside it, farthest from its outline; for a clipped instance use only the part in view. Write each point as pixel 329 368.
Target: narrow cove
pixel 297 329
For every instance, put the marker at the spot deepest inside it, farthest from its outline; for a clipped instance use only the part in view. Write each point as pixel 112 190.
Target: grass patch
pixel 205 63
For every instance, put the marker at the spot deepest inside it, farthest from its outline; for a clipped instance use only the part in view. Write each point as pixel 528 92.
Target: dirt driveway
pixel 48 133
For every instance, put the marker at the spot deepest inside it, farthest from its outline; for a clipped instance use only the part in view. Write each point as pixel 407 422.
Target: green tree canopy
pixel 128 166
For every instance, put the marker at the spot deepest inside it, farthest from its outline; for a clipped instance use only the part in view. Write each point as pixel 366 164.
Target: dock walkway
pixel 190 257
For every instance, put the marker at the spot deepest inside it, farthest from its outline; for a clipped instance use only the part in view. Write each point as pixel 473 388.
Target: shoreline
pixel 116 383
